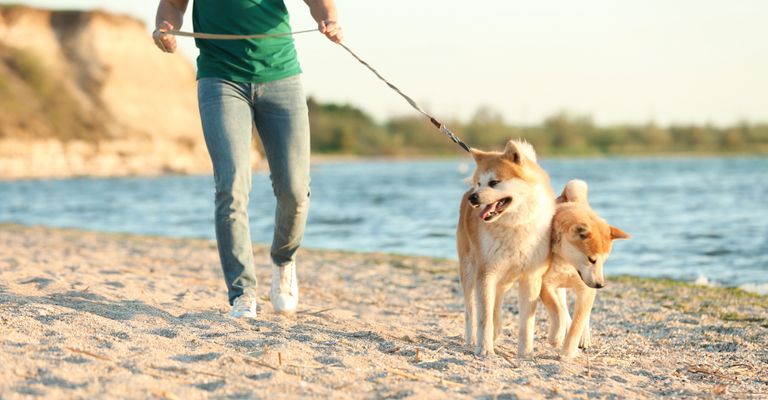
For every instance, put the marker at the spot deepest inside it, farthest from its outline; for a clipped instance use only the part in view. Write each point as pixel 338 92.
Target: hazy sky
pixel 620 61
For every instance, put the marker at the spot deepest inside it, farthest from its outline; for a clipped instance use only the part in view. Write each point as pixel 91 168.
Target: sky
pixel 628 61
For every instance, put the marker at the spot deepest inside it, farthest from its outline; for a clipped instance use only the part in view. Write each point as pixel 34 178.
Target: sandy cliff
pixel 87 93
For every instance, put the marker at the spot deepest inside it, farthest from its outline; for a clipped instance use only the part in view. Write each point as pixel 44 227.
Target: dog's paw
pixel 566 355
pixel 484 351
pixel 525 357
pixel 556 335
pixel 556 341
pixel 586 340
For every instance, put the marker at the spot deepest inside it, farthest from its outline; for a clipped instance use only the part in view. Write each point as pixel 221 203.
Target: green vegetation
pixel 727 304
pixel 347 129
pixel 36 101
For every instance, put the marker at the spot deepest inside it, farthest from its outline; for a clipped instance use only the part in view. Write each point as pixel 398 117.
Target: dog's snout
pixel 474 200
pixel 599 285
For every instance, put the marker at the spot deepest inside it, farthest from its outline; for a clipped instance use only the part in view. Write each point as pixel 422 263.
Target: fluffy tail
pixel 575 191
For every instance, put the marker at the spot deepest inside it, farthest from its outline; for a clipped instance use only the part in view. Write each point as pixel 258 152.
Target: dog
pixel 503 237
pixel 581 243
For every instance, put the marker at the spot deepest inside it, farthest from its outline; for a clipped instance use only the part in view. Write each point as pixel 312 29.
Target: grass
pixel 727 304
pixel 30 69
pixel 34 97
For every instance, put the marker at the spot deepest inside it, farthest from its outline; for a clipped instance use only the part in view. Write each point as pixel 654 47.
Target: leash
pixel 221 36
pixel 218 36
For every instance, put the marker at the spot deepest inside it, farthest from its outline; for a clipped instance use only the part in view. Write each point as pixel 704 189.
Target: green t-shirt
pixel 252 60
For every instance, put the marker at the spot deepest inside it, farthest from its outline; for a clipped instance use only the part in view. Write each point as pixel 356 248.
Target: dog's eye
pixel 593 260
pixel 493 183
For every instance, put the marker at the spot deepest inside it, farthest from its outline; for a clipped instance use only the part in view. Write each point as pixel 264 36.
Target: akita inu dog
pixel 503 237
pixel 581 243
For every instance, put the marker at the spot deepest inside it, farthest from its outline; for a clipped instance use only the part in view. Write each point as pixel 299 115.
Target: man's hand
pixel 164 41
pixel 332 30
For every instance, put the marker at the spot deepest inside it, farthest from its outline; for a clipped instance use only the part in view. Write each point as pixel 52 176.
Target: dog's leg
pixel 528 295
pixel 498 322
pixel 585 297
pixel 468 287
pixel 485 291
pixel 563 299
pixel 586 336
pixel 566 317
pixel 557 315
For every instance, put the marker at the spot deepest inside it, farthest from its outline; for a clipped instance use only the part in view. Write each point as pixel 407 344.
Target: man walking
pixel 242 83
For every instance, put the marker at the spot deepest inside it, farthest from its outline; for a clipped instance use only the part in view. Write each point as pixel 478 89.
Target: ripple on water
pixel 687 217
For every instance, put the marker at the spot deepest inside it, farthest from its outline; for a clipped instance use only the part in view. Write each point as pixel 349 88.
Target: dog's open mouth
pixel 493 210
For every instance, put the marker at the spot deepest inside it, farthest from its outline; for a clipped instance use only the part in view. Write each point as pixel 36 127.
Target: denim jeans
pixel 278 109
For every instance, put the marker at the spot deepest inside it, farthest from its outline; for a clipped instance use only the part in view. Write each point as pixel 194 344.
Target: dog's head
pixel 580 236
pixel 503 180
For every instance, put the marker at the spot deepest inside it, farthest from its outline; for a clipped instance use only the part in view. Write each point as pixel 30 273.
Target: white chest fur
pixel 515 248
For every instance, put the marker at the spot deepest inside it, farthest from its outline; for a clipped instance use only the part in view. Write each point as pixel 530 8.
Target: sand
pixel 95 315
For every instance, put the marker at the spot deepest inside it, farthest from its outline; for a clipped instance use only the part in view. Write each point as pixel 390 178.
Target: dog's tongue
pixel 487 210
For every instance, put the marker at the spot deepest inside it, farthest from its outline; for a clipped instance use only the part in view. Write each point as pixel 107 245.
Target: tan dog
pixel 503 237
pixel 581 243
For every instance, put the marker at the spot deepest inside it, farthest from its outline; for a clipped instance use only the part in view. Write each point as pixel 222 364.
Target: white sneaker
pixel 244 306
pixel 285 288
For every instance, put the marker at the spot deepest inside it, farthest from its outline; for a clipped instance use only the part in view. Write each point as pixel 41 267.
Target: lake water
pixel 689 218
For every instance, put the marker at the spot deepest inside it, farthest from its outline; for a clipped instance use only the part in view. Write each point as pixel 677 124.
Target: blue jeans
pixel 278 109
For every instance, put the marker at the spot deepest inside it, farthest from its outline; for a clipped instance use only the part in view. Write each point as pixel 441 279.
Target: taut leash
pixel 439 125
pixel 221 36
pixel 218 36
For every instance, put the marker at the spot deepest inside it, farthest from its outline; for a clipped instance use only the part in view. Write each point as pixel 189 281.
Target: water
pixel 688 217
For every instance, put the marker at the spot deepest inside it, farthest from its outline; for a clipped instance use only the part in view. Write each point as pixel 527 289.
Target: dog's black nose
pixel 473 199
pixel 599 285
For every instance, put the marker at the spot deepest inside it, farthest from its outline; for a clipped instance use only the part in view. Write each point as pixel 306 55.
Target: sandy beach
pixel 96 315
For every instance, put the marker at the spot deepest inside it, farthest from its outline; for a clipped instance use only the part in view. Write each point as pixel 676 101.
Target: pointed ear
pixel 581 231
pixel 512 153
pixel 617 233
pixel 477 155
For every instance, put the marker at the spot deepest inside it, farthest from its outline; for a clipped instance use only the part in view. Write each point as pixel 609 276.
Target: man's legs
pixel 280 114
pixel 282 120
pixel 226 114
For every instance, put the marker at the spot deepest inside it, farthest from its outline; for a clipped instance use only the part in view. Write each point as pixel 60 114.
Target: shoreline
pixel 759 289
pixel 88 314
pixel 322 158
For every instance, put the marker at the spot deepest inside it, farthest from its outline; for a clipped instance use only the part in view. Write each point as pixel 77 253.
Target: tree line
pixel 345 129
